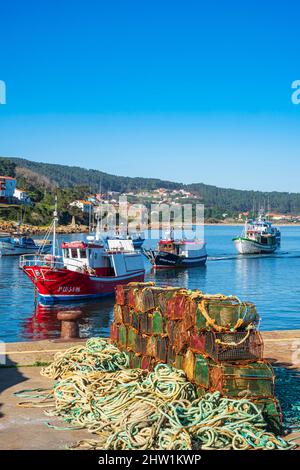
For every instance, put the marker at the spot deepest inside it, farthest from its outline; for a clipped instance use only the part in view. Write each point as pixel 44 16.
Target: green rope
pixel 133 409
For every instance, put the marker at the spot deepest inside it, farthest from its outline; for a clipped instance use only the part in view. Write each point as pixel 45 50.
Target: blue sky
pixel 189 91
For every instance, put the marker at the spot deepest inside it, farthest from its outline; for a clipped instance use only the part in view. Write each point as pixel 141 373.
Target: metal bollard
pixel 69 324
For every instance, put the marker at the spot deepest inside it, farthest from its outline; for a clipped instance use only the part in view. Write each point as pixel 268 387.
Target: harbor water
pixel 270 281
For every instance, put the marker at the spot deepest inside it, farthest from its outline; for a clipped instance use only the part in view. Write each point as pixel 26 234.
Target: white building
pixel 22 196
pixel 85 206
pixel 7 188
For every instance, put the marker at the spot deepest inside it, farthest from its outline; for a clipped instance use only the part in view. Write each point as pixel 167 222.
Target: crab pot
pixel 181 337
pixel 118 314
pixel 162 298
pixel 141 343
pixel 126 315
pixel 132 339
pixel 162 344
pixel 272 414
pixel 226 313
pixel 176 307
pixel 234 380
pixel 201 372
pixel 234 346
pixel 197 341
pixel 134 319
pixel 135 361
pixel 255 379
pixel 171 354
pixel 144 300
pixel 144 321
pixel 189 319
pixel 158 323
pixel 179 360
pixel 151 346
pixel 114 332
pixel 131 297
pixel 122 294
pixel 146 363
pixel 170 330
pixel 189 365
pixel 122 336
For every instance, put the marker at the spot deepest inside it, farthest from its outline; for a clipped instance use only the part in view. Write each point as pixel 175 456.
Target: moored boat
pixel 137 238
pixel 87 269
pixel 18 244
pixel 258 237
pixel 171 253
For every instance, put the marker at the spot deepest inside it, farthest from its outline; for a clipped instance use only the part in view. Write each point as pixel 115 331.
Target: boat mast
pixel 55 219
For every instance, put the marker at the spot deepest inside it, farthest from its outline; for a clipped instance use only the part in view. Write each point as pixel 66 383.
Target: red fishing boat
pixel 86 269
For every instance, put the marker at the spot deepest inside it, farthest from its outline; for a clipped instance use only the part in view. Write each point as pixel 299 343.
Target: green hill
pixel 68 176
pixel 42 179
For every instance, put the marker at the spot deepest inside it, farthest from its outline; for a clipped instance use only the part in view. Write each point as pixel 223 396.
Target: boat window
pixel 74 253
pixel 66 253
pixel 82 253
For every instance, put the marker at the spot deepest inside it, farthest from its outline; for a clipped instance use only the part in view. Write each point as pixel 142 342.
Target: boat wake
pixel 281 254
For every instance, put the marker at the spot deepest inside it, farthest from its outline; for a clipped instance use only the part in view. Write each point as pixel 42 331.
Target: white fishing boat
pixel 258 237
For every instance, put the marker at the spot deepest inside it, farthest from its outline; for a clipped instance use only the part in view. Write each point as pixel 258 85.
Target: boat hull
pixel 138 243
pixel 169 260
pixel 59 285
pixel 245 246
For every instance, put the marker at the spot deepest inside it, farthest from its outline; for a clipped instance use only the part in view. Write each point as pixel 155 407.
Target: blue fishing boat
pixel 20 244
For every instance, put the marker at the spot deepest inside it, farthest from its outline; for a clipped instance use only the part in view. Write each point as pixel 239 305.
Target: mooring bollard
pixel 69 324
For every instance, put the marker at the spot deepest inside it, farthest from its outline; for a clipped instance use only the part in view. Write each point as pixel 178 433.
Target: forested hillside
pixel 67 176
pixel 45 178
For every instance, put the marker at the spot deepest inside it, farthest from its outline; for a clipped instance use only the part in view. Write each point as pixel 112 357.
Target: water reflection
pixel 43 323
pixel 194 278
pixel 271 282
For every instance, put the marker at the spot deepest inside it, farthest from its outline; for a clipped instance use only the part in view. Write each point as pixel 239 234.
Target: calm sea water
pixel 271 281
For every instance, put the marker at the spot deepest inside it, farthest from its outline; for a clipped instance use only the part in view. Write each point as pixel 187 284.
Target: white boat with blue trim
pixel 18 244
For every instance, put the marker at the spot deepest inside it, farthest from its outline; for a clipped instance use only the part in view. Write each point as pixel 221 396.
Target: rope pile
pixel 137 410
pixel 95 354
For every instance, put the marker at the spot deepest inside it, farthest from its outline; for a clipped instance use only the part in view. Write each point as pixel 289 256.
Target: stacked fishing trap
pixel 213 338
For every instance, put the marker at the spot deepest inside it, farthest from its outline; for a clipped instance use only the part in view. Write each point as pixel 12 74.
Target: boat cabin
pixel 262 232
pixel 101 258
pixel 183 248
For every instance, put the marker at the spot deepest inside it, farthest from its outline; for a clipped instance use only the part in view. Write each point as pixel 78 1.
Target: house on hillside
pixel 7 188
pixel 93 199
pixel 243 215
pixel 22 196
pixel 276 216
pixel 85 206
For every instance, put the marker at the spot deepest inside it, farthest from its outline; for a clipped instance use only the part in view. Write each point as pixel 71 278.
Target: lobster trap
pixel 236 346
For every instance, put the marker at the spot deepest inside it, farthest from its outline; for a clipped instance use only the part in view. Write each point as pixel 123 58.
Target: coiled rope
pixel 134 409
pixel 95 354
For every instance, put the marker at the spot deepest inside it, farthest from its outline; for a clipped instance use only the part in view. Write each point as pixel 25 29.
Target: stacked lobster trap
pixel 213 338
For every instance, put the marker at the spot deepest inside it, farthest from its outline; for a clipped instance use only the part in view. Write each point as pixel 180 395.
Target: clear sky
pixel 188 90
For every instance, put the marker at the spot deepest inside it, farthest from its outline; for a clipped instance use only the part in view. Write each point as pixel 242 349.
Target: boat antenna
pixel 98 227
pixel 55 220
pixel 90 217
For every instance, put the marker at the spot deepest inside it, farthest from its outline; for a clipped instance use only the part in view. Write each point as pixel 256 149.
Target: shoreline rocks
pixel 7 227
